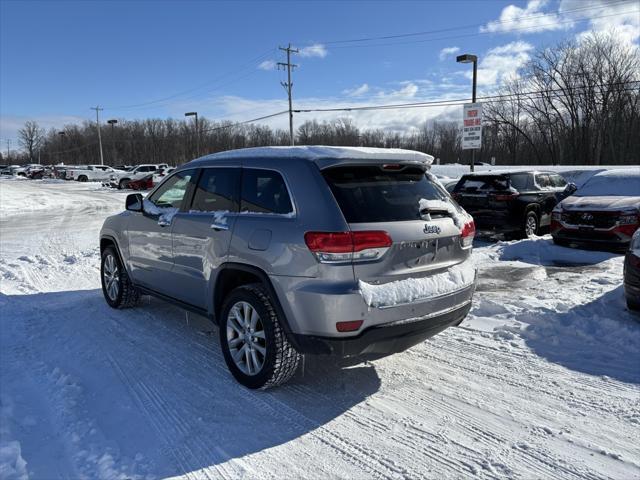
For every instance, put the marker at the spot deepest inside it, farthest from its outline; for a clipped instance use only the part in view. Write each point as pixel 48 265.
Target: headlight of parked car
pixel 627 219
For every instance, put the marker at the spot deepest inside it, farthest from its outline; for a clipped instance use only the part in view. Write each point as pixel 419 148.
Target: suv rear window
pixel 482 183
pixel 371 194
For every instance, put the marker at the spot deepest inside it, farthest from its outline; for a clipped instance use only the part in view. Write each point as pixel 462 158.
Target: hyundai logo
pixel 586 216
pixel 431 229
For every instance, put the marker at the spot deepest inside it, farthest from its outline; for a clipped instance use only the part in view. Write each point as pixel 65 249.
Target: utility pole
pixel 288 85
pixel 8 148
pixel 97 109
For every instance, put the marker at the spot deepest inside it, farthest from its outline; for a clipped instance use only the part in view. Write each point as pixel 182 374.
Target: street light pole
pixel 112 122
pixel 195 114
pixel 468 58
pixel 62 134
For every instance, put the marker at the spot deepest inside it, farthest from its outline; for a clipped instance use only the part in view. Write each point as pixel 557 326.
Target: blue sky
pixel 59 58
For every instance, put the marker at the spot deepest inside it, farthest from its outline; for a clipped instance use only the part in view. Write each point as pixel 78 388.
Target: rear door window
pixel 371 194
pixel 520 181
pixel 557 181
pixel 543 181
pixel 217 190
pixel 264 191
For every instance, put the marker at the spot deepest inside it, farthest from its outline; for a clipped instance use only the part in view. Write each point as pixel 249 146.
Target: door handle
pixel 219 226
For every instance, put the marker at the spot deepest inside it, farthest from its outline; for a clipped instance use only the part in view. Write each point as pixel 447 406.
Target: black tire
pixel 126 295
pixel 82 178
pixel 280 360
pixel 531 225
pixel 633 305
pixel 122 184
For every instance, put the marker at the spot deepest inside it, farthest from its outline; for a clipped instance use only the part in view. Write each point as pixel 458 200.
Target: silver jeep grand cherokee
pixel 294 250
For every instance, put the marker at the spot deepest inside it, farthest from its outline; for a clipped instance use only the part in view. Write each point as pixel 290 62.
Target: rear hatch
pixel 423 223
pixel 477 193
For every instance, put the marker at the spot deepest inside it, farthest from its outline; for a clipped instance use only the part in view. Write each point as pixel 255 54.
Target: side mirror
pixel 133 202
pixel 570 189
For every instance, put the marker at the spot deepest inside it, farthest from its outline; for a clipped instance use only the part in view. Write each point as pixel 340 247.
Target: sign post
pixel 472 128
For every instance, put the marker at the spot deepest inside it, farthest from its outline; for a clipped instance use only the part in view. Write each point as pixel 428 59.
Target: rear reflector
pixel 334 247
pixel 350 326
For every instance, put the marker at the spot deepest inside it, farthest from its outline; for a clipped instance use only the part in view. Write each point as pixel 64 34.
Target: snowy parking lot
pixel 541 381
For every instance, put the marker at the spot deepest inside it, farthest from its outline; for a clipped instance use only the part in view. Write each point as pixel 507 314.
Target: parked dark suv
pixel 632 273
pixel 515 203
pixel 326 250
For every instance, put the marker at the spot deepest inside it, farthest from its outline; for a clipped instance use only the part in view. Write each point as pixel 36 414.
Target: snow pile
pixel 418 289
pixel 459 217
pixel 12 464
pixel 542 251
pixel 165 214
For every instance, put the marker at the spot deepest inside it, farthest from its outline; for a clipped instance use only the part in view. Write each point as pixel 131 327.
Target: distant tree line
pixel 584 109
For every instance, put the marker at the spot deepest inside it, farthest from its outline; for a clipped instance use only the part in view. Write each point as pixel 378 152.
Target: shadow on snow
pixel 157 385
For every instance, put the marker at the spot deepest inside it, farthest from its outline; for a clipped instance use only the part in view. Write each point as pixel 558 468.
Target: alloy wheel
pixel 246 338
pixel 111 276
pixel 531 226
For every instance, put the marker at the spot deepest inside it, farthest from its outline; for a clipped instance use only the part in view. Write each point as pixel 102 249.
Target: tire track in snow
pixel 343 446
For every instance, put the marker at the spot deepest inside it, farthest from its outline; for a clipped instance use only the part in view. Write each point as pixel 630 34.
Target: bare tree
pixel 30 138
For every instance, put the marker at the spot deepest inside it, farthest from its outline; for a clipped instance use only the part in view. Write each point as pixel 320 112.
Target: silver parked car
pixel 294 250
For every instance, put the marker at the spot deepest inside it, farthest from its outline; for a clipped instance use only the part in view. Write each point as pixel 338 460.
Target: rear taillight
pixel 503 197
pixel 467 234
pixel 338 247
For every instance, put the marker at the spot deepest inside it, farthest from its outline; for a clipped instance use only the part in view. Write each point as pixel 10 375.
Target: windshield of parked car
pixel 374 194
pixel 618 185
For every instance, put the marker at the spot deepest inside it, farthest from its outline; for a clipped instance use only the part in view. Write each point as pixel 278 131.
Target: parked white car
pixel 121 179
pixel 91 173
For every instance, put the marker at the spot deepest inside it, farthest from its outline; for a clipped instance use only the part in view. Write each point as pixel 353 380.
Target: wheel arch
pixel 232 275
pixel 109 241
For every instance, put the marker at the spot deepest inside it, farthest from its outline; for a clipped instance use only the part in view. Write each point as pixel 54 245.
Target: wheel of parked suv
pixel 253 343
pixel 117 288
pixel 531 224
pixel 123 183
pixel 82 178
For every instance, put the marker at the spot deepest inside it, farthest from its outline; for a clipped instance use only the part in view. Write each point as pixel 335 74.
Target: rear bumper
pixel 496 221
pixel 382 340
pixel 312 307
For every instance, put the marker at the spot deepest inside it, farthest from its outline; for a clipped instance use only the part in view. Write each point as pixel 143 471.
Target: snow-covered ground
pixel 541 381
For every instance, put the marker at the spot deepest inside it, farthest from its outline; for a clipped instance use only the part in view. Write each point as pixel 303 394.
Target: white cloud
pixel 267 65
pixel 530 19
pixel 502 63
pixel 358 91
pixel 622 18
pixel 448 51
pixel 315 50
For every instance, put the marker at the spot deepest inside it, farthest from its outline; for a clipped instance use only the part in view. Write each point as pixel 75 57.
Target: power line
pixel 475 25
pixel 237 124
pixel 475 34
pixel 454 102
pixel 243 66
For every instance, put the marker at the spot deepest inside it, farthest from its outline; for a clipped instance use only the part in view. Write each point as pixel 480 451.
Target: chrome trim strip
pixel 428 316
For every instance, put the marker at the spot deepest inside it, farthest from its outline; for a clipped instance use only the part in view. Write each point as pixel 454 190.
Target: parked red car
pixel 603 213
pixel 145 183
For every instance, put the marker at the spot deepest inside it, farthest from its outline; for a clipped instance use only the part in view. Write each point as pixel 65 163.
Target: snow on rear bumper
pixel 313 306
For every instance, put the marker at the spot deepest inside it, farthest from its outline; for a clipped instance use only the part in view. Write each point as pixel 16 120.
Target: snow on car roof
pixel 318 152
pixel 619 172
